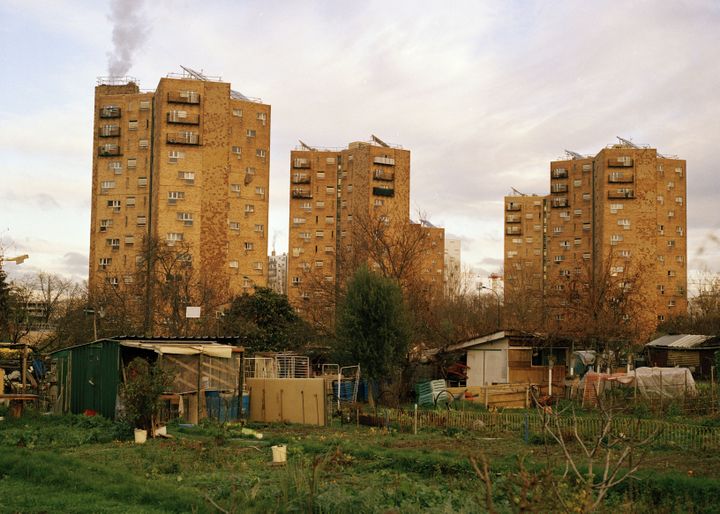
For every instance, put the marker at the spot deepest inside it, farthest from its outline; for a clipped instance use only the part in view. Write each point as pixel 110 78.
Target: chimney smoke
pixel 129 33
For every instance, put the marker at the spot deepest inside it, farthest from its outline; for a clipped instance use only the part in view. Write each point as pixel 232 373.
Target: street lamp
pixel 497 296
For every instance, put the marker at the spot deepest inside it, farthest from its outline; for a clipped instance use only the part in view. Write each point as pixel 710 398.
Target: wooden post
pixel 486 396
pixel 527 397
pixel 24 368
pixel 241 385
pixel 712 388
pixel 662 390
pixel 635 388
pixel 199 387
pixel 415 421
pixel 549 380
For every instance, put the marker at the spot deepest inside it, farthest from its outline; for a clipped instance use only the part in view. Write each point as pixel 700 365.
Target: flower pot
pixel 161 431
pixel 140 436
pixel 279 453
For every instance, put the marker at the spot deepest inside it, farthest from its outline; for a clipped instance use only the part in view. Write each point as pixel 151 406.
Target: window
pixel 517 241
pixel 614 270
pixel 577 183
pixel 249 246
pixel 129 240
pixel 234 264
pixel 320 174
pixel 624 223
pixel 249 171
pixel 132 163
pixel 577 212
pixel 107 184
pixel 129 279
pixel 176 195
pixel 257 265
pixel 671 214
pixel 319 264
pixel 329 219
pixel 235 225
pixel 114 204
pixel 260 153
pixel 250 133
pixel 130 201
pixel 237 113
pixel 512 254
pixel 577 241
pixel 298 221
pixel 661 289
pixel 679 171
pixel 141 221
pixel 144 105
pixel 260 191
pixel 105 224
pixel 586 196
pixel 671 243
pixel 305 235
pixel 185 217
pixel 262 117
pixel 378 202
pixel 187 176
pixel 625 253
pixel 249 208
pixel 559 258
pixel 565 244
pixel 115 167
pixel 295 281
pixel 306 206
pixel 143 143
pixel 142 182
pixel 237 151
pixel 615 239
pixel 557 230
pixel 319 234
pixel 320 204
pixel 614 207
pixel 132 125
pixel 671 273
pixel 329 190
pixel 114 243
pixel 105 262
pixel 173 237
pixel 679 200
pixel 259 227
pixel 174 156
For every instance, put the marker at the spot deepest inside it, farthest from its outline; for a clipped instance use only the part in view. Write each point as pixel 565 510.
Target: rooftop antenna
pixel 574 155
pixel 515 191
pixel 379 141
pixel 306 146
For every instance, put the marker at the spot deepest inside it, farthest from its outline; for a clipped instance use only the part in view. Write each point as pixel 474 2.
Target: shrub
pixel 141 392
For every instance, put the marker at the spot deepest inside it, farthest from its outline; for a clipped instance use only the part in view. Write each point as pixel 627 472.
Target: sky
pixel 483 93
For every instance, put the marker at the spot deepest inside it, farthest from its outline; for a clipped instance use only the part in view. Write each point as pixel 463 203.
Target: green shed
pixel 89 376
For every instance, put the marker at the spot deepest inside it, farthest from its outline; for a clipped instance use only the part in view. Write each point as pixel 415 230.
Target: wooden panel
pixel 287 400
pixel 519 358
pixel 683 358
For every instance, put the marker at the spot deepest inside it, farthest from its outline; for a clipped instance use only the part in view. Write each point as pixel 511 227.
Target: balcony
pixel 301 163
pixel 383 175
pixel 183 138
pixel 558 188
pixel 513 231
pixel 382 191
pixel 512 218
pixel 300 178
pixel 183 97
pixel 621 178
pixel 301 193
pixel 109 151
pixel 183 118
pixel 110 131
pixel 110 112
pixel 513 207
pixel 559 173
pixel 560 202
pixel 387 161
pixel 621 194
pixel 620 162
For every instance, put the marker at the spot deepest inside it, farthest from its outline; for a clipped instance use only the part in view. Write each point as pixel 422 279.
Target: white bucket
pixel 140 436
pixel 279 453
pixel 161 431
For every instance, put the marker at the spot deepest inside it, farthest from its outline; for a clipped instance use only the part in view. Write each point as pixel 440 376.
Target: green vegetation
pixel 77 464
pixel 373 326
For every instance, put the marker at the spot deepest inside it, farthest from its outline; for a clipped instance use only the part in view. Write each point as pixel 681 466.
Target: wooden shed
pixel 88 377
pixel 510 357
pixel 692 351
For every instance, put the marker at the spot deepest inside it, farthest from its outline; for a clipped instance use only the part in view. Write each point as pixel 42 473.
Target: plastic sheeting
pixel 664 382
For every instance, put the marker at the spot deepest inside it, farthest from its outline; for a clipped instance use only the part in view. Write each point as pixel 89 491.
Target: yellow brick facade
pixel 619 213
pixel 187 164
pixel 332 194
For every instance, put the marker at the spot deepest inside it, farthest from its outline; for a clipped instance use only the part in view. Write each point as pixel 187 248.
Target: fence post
pixel 415 421
pixel 526 434
pixel 712 388
pixel 662 391
pixel 635 388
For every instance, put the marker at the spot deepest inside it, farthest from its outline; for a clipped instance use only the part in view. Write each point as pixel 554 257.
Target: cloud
pixel 484 95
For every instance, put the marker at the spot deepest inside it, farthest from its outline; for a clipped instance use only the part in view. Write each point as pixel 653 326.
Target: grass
pixel 76 464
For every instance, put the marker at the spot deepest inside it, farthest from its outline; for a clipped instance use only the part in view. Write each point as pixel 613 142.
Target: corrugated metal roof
pixel 680 341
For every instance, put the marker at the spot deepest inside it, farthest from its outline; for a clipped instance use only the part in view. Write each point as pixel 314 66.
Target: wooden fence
pixel 521 423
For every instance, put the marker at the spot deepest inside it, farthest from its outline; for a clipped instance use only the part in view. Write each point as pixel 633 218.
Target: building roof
pixel 176 341
pixel 685 342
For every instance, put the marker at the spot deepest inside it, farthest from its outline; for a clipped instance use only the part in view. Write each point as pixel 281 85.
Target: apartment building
pixel 452 264
pixel 343 202
pixel 277 272
pixel 621 213
pixel 188 166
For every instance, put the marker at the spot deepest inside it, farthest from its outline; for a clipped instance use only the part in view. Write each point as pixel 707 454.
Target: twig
pixel 218 507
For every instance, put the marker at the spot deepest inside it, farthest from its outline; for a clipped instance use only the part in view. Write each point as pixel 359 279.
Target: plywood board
pixel 287 400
